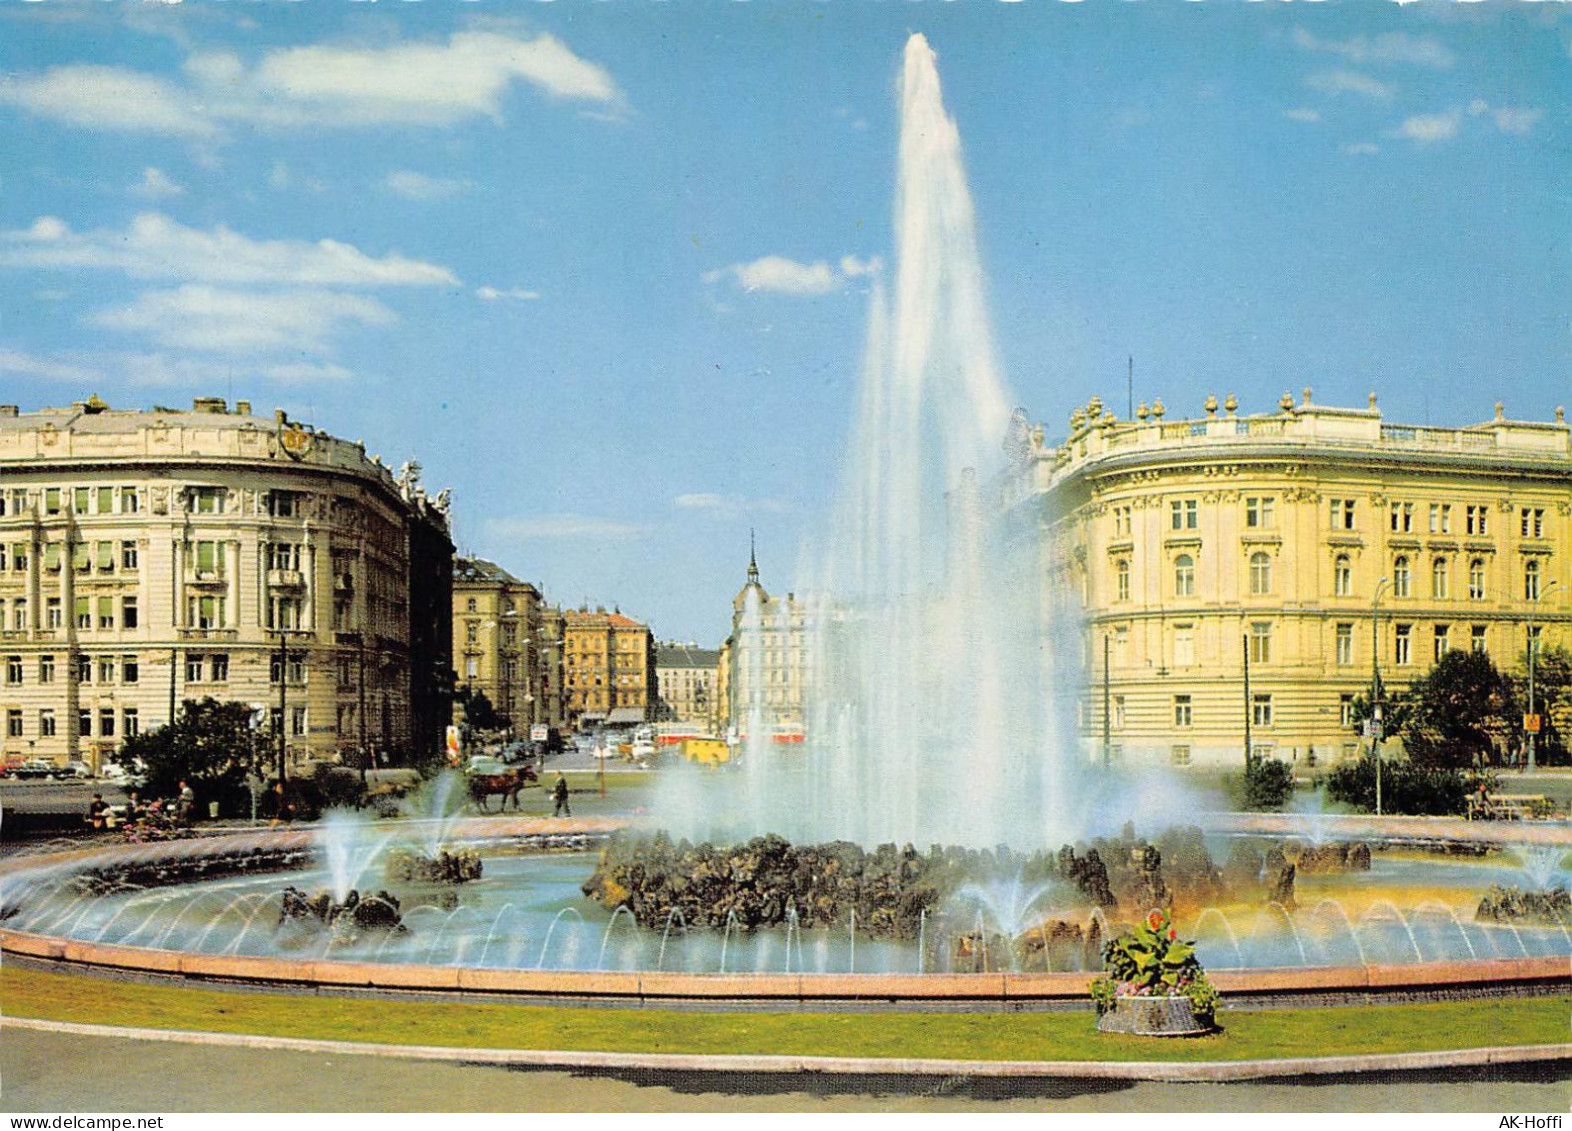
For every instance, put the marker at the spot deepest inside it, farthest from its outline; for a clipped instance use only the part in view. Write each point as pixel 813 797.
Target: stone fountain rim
pixel 613 986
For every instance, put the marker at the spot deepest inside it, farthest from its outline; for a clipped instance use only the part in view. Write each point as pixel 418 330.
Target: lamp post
pixel 1375 685
pixel 1531 737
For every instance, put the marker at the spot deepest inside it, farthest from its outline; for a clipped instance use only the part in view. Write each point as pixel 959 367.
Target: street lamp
pixel 1530 737
pixel 1375 684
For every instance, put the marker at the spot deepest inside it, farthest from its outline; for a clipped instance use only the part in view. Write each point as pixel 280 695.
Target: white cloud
pixel 108 98
pixel 728 506
pixel 406 84
pixel 561 526
pixel 155 185
pixel 304 372
pixel 1361 149
pixel 518 294
pixel 1516 119
pixel 214 319
pixel 1393 47
pixel 780 275
pixel 1349 82
pixel 1302 114
pixel 156 247
pixel 1426 129
pixel 14 363
pixel 418 186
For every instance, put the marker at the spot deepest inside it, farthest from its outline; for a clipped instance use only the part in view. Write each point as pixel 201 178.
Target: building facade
pixel 766 659
pixel 500 643
pixel 1300 550
pixel 608 669
pixel 154 557
pixel 686 677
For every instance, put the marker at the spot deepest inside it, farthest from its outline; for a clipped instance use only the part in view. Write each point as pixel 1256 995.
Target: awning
pixel 620 715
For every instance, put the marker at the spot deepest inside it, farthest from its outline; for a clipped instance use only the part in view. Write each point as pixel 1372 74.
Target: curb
pixel 1200 1071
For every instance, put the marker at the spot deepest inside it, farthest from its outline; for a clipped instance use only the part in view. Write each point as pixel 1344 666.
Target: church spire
pixel 753 560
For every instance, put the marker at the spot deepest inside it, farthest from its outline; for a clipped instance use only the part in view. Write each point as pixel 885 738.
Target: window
pixel 131 724
pixel 472 632
pixel 1260 643
pixel 1476 579
pixel 13 724
pixel 1122 579
pixel 1443 642
pixel 207 557
pixel 106 612
pixel 1259 513
pixel 297 667
pixel 128 555
pixel 1402 518
pixel 1184 645
pixel 1343 576
pixel 51 556
pixel 1122 524
pixel 19 614
pixel 81 557
pixel 196 664
pixel 51 500
pixel 1342 514
pixel 297 721
pixel 205 612
pixel 1183 711
pixel 106 669
pixel 205 500
pixel 283 612
pixel 1401 651
pixel 1184 576
pixel 106 500
pixel 1440 579
pixel 84 669
pixel 104 556
pixel 129 669
pixel 218 669
pixel 46 723
pixel 1477 640
pixel 1345 710
pixel 13 669
pixel 84 722
pixel 1261 710
pixel 128 504
pixel 106 722
pixel 1345 644
pixel 80 497
pixel 1183 514
pixel 1531 581
pixel 46 669
pixel 283 504
pixel 84 612
pixel 283 555
pixel 1179 755
pixel 1476 522
pixel 19 557
pixel 1260 573
pixel 1400 577
pixel 1533 522
pixel 1440 518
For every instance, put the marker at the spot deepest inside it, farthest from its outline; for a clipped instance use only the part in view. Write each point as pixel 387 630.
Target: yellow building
pixel 1286 543
pixel 608 668
pixel 500 644
pixel 151 557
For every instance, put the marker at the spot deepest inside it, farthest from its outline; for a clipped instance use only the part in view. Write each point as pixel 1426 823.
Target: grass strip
pixel 1248 1035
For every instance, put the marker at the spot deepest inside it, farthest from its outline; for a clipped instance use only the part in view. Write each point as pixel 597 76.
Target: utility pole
pixel 174 659
pixel 1107 708
pixel 1375 686
pixel 360 709
pixel 1531 736
pixel 1244 640
pixel 283 704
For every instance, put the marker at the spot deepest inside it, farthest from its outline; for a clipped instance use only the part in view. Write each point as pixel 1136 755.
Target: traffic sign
pixel 1531 724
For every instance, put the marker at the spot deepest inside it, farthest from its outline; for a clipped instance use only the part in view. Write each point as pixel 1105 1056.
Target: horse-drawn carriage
pixel 499 779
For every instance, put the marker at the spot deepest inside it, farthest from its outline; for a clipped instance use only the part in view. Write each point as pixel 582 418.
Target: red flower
pixel 1154 920
pixel 1172 934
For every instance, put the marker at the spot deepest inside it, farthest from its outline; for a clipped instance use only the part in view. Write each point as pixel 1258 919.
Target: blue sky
pixel 603 269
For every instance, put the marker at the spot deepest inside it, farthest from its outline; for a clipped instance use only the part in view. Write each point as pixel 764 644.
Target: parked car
pixel 74 770
pixel 35 768
pixel 116 774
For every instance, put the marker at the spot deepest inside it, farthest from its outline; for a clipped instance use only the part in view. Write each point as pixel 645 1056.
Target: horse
pixel 507 784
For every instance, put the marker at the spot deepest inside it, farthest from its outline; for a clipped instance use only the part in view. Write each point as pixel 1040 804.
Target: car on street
pixel 34 768
pixel 74 770
pixel 116 774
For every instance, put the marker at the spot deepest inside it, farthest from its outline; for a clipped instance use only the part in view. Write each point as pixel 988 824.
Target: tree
pixel 210 744
pixel 1463 713
pixel 1552 700
pixel 1267 784
pixel 479 713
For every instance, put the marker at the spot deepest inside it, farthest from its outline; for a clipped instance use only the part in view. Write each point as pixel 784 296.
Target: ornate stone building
pixel 153 557
pixel 608 668
pixel 686 677
pixel 1306 545
pixel 765 659
pixel 500 643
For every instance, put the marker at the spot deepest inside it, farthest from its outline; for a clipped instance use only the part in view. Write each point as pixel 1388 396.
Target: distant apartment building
pixel 501 645
pixel 764 660
pixel 151 557
pixel 686 677
pixel 608 669
pixel 1300 550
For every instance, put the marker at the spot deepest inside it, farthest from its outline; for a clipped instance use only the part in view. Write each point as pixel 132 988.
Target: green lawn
pixel 1253 1034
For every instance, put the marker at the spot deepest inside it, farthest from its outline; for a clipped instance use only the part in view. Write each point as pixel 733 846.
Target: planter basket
pixel 1172 1016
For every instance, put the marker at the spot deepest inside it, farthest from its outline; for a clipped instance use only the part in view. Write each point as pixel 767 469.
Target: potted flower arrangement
pixel 1153 985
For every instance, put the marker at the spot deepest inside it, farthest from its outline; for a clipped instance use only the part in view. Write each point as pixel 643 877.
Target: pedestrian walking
pixel 559 793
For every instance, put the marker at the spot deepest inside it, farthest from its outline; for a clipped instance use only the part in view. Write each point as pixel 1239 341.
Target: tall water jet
pixel 933 693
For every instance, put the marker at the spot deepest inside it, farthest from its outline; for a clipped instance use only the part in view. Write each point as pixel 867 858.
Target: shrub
pixel 1405 787
pixel 1151 960
pixel 1267 784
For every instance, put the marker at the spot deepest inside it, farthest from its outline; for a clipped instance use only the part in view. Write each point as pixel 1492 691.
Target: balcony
pixel 230 634
pixel 286 579
pixel 206 578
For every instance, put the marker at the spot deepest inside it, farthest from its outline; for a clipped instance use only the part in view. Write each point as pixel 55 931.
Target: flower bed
pixel 1154 984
